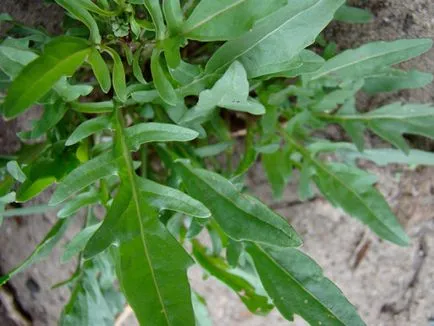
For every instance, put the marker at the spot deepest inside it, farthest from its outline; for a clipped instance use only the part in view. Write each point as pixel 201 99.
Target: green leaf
pixel 146 251
pixel 32 210
pixel 87 128
pixel 230 92
pixel 161 82
pixel 51 116
pixel 166 198
pixel 201 310
pixel 154 9
pixel 80 201
pixel 371 58
pixel 15 171
pixel 100 70
pixel 31 188
pixel 284 33
pixel 93 107
pixel 217 267
pixel 185 73
pixel 79 12
pixel 387 156
pixel 137 70
pixel 226 19
pixel 78 243
pixel 142 133
pixel 174 15
pixel 240 216
pixel 94 300
pixel 308 62
pixel 119 83
pixel 92 7
pixel 392 121
pixel 62 56
pixel 297 285
pixel 86 174
pixel 70 92
pixel 105 165
pixel 147 96
pixel 43 249
pixel 395 80
pixel 278 170
pixel 213 150
pixel 4 200
pixel 343 187
pixel 352 190
pixel 355 15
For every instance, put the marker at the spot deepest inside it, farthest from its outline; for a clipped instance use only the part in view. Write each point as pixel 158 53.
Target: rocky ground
pixel 391 286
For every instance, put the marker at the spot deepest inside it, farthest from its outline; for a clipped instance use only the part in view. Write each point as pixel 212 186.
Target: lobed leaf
pixel 240 216
pixel 297 285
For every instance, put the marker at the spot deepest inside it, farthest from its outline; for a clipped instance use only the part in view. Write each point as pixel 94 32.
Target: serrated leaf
pixel 392 121
pixel 218 268
pixel 230 92
pixel 297 286
pixel 100 69
pixel 161 82
pixel 371 58
pixel 166 198
pixel 226 19
pixel 141 238
pixel 80 13
pixel 87 128
pixel 42 250
pixel 240 216
pixel 352 190
pixel 284 33
pixel 61 57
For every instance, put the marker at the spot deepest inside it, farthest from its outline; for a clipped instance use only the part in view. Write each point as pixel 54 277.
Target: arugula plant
pixel 145 104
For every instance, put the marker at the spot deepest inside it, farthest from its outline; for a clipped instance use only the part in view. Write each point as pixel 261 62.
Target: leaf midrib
pixel 361 61
pixel 268 34
pixel 252 217
pixel 135 193
pixel 358 197
pixel 300 285
pixel 211 17
pixel 334 176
